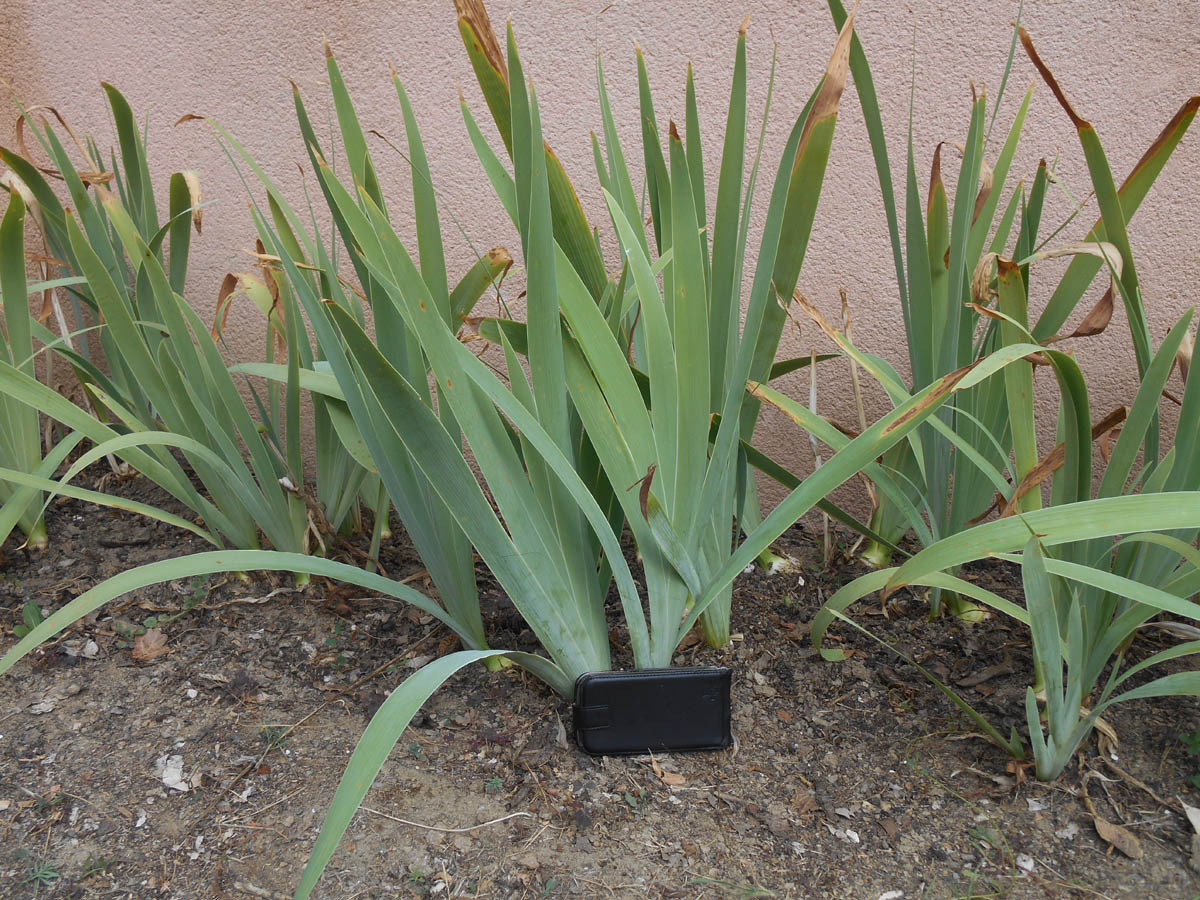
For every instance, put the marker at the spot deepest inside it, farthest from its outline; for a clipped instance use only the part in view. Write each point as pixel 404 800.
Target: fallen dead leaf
pixel 978 678
pixel 150 645
pixel 1017 768
pixel 890 828
pixel 560 734
pixel 691 639
pixel 1121 838
pixel 803 801
pixel 794 631
pixel 1106 737
pixel 1192 813
pixel 671 779
pixel 169 768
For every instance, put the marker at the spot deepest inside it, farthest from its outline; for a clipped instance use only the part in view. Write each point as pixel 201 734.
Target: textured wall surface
pixel 1126 67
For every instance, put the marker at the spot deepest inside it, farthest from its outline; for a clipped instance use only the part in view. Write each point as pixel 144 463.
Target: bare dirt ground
pixel 852 780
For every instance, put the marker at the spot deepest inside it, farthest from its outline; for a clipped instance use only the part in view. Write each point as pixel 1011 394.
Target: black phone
pixel 660 710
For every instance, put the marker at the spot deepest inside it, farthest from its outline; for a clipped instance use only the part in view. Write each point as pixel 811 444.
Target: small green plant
pixel 1191 741
pixel 31 617
pixel 494 785
pixel 43 874
pixel 97 864
pixel 47 801
pixel 199 592
pixel 126 632
pixel 272 737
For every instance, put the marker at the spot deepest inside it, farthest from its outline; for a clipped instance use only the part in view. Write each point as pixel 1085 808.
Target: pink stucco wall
pixel 1126 67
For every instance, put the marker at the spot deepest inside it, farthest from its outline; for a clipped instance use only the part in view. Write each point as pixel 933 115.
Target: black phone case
pixel 659 710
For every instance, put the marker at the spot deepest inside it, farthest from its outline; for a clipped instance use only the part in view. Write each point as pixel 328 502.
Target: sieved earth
pixel 197 760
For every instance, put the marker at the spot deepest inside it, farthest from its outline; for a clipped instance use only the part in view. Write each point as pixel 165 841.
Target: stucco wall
pixel 1126 66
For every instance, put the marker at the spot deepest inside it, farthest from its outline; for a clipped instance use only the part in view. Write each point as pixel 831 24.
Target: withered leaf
pixel 1053 461
pixel 830 93
pixel 978 678
pixel 228 286
pixel 1121 838
pixel 643 485
pixel 150 645
pixel 192 179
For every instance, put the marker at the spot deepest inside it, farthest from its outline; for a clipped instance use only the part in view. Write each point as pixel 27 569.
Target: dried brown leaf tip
pixel 815 314
pixel 500 258
pixel 228 286
pixel 1183 356
pixel 745 25
pixel 1094 322
pixel 106 197
pixel 830 94
pixel 13 182
pixel 985 311
pixel 981 279
pixel 986 179
pixel 83 149
pixel 1006 268
pixel 1179 121
pixel 1053 461
pixel 192 179
pixel 96 176
pixel 325 46
pixel 1077 120
pixel 674 131
pixel 945 387
pixel 192 117
pixel 1101 314
pixel 473 16
pixel 935 175
pixel 643 486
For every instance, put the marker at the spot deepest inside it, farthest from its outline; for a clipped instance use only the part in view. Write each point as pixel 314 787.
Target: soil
pixel 847 780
